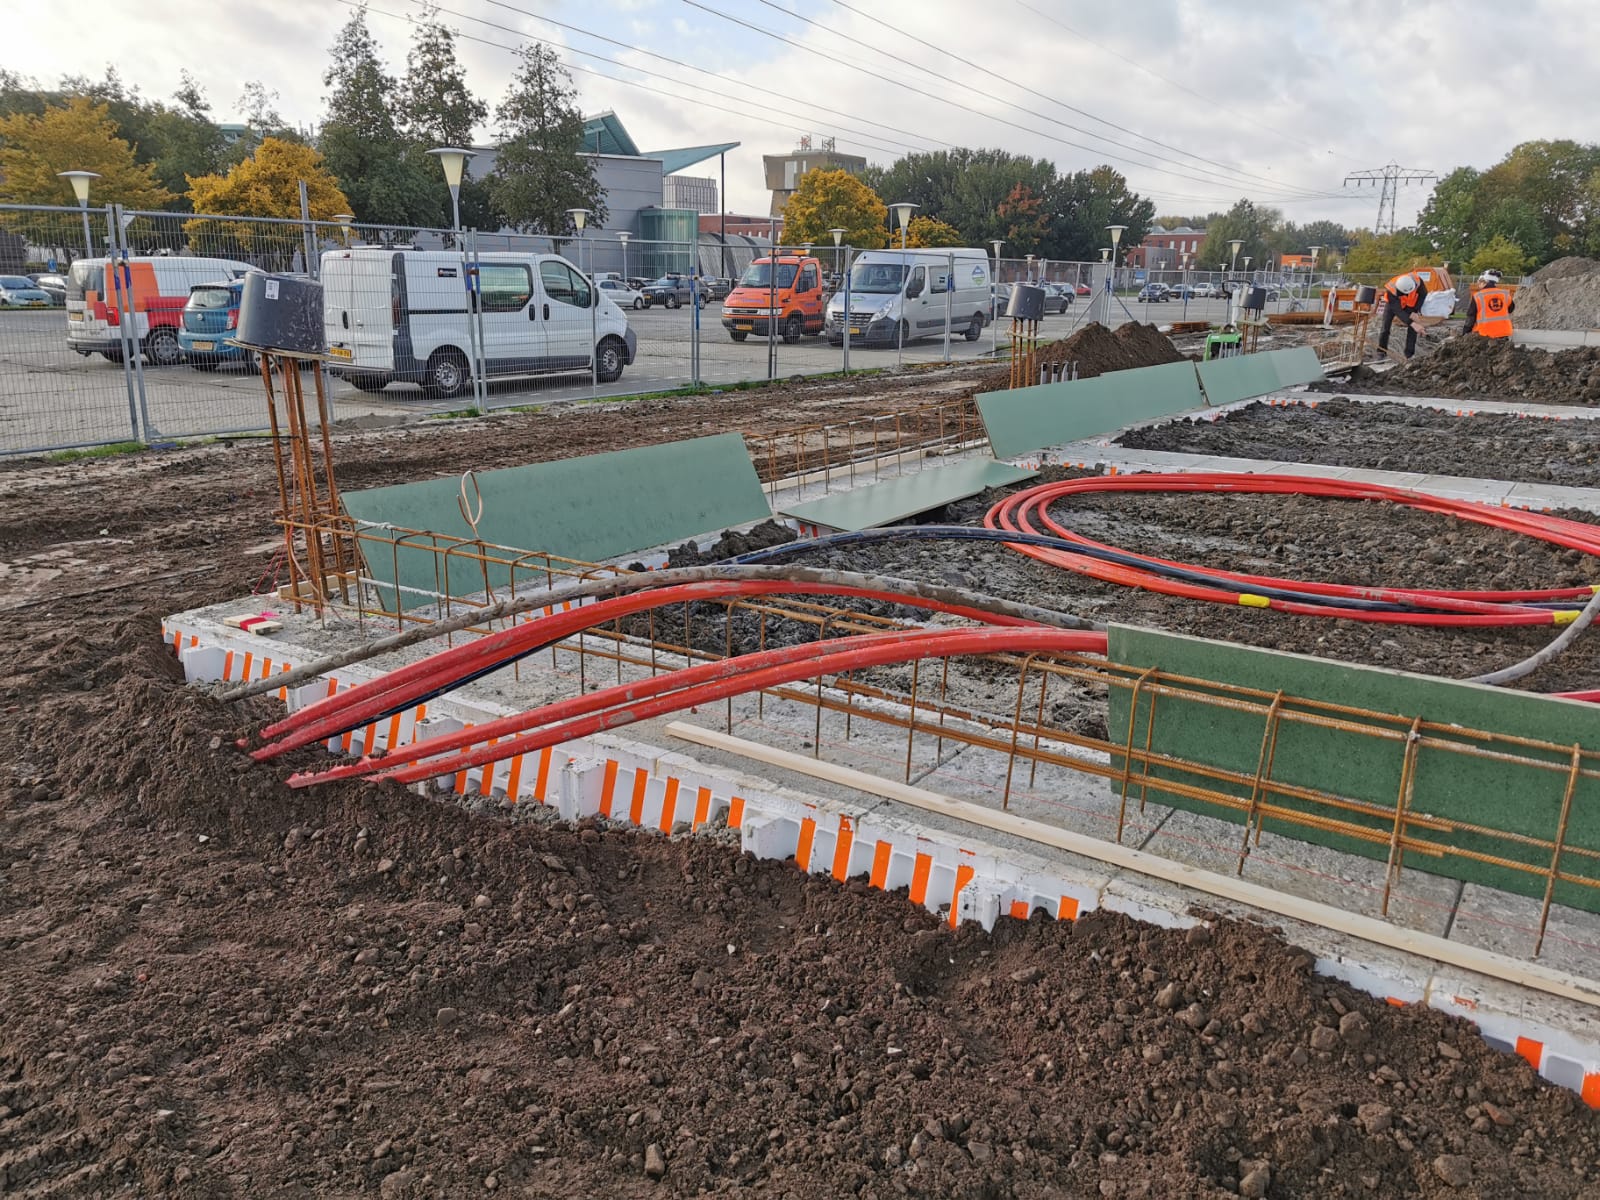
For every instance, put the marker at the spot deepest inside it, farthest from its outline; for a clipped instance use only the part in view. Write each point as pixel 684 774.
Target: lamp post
pixel 1311 274
pixel 80 181
pixel 838 233
pixel 1029 269
pixel 580 218
pixel 345 220
pixel 994 302
pixel 1234 259
pixel 1187 284
pixel 623 238
pixel 902 213
pixel 454 161
pixel 1116 232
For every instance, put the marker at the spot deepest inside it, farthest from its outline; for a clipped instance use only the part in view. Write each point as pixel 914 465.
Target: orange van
pixel 793 300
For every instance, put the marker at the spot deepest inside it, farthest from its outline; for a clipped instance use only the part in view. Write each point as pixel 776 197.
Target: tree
pixel 185 139
pixel 1386 255
pixel 1515 220
pixel 78 136
pixel 1023 220
pixel 361 141
pixel 1550 177
pixel 1449 220
pixel 267 184
pixel 435 106
pixel 963 187
pixel 931 233
pixel 829 199
pixel 1082 204
pixel 1501 254
pixel 1256 228
pixel 539 173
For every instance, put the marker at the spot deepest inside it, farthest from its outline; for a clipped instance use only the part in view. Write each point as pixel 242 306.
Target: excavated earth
pixel 1391 437
pixel 1485 369
pixel 213 986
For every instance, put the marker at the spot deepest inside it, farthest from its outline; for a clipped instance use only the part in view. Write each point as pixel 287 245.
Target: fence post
pixel 694 341
pixel 949 291
pixel 114 270
pixel 471 267
pixel 308 233
pixel 133 349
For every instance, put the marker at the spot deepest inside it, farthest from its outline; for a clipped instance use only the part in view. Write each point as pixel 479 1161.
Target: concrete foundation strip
pixel 1484 962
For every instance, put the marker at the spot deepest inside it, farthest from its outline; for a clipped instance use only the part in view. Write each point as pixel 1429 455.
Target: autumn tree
pixel 835 199
pixel 539 173
pixel 930 232
pixel 78 136
pixel 267 184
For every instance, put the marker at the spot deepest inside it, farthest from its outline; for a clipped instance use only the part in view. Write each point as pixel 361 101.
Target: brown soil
pixel 216 987
pixel 1563 295
pixel 1391 437
pixel 1485 369
pixel 1098 350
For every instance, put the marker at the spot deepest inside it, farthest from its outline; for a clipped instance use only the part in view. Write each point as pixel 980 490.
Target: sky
pixel 1197 102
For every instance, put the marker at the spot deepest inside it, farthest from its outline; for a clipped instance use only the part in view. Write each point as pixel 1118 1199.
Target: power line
pixel 1252 117
pixel 877 76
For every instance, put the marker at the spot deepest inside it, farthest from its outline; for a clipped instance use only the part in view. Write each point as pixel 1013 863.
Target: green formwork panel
pixel 892 500
pixel 1023 420
pixel 1227 380
pixel 1514 797
pixel 591 509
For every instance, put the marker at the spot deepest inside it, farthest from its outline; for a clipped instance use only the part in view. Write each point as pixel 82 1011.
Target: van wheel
pixel 975 330
pixel 609 360
pixel 793 327
pixel 447 374
pixel 114 356
pixel 162 348
pixel 738 337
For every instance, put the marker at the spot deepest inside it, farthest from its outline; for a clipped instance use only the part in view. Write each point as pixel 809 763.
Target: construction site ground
pixel 215 986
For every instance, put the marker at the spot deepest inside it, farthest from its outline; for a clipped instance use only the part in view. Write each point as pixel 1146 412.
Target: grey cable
pixel 1531 664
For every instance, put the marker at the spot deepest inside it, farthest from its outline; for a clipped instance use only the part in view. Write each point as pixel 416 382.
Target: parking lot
pixel 51 396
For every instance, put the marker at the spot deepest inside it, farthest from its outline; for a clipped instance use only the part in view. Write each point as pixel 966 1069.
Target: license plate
pixel 38 303
pixel 339 352
pixel 854 331
pixel 205 345
pixel 744 328
pixel 74 316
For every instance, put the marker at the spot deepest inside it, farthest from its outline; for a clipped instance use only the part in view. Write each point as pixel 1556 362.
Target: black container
pixel 282 314
pixel 1027 303
pixel 1366 295
pixel 1255 299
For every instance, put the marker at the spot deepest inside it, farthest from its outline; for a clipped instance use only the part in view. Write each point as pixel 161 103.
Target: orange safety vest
pixel 1411 301
pixel 1494 313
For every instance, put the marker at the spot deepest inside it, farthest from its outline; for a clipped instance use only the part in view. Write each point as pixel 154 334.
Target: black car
pixel 1154 293
pixel 55 286
pixel 670 291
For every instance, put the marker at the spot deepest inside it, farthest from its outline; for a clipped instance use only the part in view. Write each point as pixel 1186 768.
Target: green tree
pixel 186 140
pixel 1515 220
pixel 539 173
pixel 435 106
pixel 931 233
pixel 835 199
pixel 1501 254
pixel 1256 228
pixel 77 136
pixel 963 187
pixel 1391 253
pixel 1551 178
pixel 361 141
pixel 1449 221
pixel 1082 204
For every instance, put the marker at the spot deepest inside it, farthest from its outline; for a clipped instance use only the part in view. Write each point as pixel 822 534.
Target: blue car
pixel 18 291
pixel 210 318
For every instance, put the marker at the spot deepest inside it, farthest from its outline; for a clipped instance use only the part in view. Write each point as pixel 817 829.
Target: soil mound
pixel 1098 350
pixel 1564 295
pixel 1487 368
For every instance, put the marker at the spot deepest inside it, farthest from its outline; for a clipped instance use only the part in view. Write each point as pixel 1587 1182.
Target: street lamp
pixel 1234 246
pixel 580 218
pixel 902 213
pixel 838 240
pixel 80 181
pixel 1029 268
pixel 344 220
pixel 838 233
pixel 454 161
pixel 1116 232
pixel 623 237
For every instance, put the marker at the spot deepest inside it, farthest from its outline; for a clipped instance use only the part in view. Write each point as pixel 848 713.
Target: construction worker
pixel 1403 296
pixel 1490 308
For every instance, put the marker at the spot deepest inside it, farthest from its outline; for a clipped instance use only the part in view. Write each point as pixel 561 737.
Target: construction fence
pixel 131 339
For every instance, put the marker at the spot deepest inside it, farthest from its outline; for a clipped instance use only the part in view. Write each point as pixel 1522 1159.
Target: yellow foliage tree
pixel 77 136
pixel 267 184
pixel 828 200
pixel 927 232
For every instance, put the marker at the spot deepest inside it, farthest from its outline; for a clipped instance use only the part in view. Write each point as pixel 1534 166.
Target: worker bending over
pixel 1403 296
pixel 1490 308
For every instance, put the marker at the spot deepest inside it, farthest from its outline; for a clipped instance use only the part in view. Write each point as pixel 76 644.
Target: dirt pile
pixel 1564 295
pixel 413 1001
pixel 1485 369
pixel 1098 350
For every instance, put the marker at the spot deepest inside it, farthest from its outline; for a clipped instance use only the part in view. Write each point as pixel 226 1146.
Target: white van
pixel 910 294
pixel 158 287
pixel 400 316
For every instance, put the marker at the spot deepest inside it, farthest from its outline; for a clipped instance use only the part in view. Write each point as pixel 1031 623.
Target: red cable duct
pixel 365 703
pixel 1027 511
pixel 762 671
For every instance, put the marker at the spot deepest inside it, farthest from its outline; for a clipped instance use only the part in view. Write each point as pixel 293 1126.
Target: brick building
pixel 1163 249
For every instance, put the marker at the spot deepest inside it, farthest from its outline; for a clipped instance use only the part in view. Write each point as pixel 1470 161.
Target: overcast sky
pixel 1215 99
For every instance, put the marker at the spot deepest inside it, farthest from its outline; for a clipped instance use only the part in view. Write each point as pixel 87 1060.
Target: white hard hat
pixel 1406 284
pixel 1489 276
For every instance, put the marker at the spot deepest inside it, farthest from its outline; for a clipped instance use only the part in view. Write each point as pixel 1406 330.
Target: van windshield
pixel 880 278
pixel 760 275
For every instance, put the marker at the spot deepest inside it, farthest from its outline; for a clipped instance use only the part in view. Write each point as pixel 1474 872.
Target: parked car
pixel 54 285
pixel 1154 293
pixel 1205 291
pixel 670 291
pixel 621 294
pixel 18 291
pixel 158 287
pixel 1083 289
pixel 713 288
pixel 1057 297
pixel 794 298
pixel 400 316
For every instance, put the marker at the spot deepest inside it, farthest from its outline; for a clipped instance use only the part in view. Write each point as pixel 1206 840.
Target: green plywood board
pixel 1516 798
pixel 592 508
pixel 1227 380
pixel 1023 420
pixel 894 500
